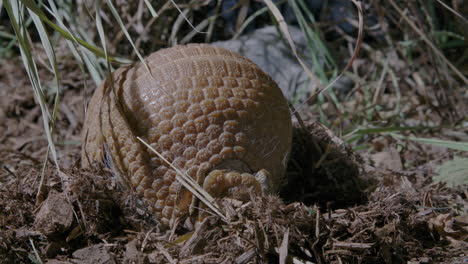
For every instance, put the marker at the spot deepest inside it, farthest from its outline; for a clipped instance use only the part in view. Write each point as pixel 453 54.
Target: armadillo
pixel 212 113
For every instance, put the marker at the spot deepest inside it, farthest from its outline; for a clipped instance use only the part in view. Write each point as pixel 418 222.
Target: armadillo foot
pixel 222 183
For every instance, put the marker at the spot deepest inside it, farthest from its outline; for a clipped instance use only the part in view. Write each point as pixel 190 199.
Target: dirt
pixel 343 210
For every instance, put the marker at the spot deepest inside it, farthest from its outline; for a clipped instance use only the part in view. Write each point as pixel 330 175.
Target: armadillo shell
pixel 201 107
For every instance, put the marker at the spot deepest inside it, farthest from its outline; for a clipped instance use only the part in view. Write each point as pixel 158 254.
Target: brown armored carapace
pixel 211 112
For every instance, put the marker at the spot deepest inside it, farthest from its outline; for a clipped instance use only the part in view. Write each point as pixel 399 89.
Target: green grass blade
pixel 83 56
pixel 35 8
pixel 249 20
pixel 317 49
pixel 16 18
pixel 151 9
pixel 125 31
pixel 436 142
pixel 46 43
pixel 100 29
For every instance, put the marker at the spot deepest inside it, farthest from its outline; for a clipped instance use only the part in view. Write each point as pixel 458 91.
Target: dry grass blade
pixel 354 246
pixel 453 11
pixel 190 184
pixel 166 254
pixel 211 26
pixel 102 36
pixel 176 26
pixel 296 260
pixel 184 15
pixel 35 8
pixel 379 84
pixel 189 36
pixel 283 250
pixel 242 13
pixel 351 60
pixel 249 20
pixel 125 31
pixel 317 223
pixel 284 29
pixel 428 42
pixel 38 258
pixel 151 9
pixel 246 257
pixel 129 38
pixel 207 22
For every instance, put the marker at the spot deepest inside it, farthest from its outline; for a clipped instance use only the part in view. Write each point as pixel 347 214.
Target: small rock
pixel 55 216
pixel 97 254
pixel 389 159
pixel 133 255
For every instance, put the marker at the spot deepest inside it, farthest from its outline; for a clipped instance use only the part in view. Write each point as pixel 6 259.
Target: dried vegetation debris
pixel 404 219
pixel 253 232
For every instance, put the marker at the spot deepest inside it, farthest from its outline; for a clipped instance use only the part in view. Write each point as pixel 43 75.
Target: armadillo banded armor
pixel 205 109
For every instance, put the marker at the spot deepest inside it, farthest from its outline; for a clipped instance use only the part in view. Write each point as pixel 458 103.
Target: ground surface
pixel 376 205
pixel 404 215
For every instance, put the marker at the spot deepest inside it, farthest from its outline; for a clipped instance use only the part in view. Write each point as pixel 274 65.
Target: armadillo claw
pixel 222 183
